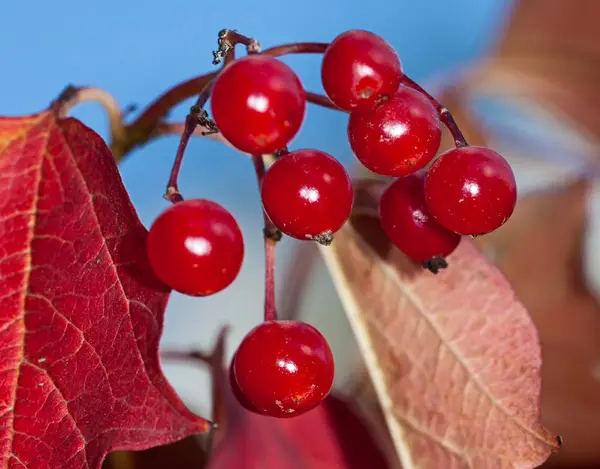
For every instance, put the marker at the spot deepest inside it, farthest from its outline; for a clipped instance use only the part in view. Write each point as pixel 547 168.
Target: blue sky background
pixel 137 50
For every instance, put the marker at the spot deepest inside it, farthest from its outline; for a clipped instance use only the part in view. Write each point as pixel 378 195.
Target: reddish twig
pixel 443 113
pixel 271 236
pixel 72 96
pixel 321 100
pixel 142 129
pixel 177 128
pixel 296 48
pixel 150 123
pixel 196 116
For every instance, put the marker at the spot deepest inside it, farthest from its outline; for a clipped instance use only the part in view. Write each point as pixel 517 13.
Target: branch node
pixel 228 38
pixel 173 195
pixel 224 47
pixel 67 94
pixel 272 233
pixel 253 47
pixel 202 118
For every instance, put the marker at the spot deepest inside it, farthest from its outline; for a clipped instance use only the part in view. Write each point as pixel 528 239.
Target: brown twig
pixel 71 96
pixel 142 129
pixel 150 123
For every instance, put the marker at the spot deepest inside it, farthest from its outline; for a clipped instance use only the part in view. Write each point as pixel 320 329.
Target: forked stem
pixel 445 116
pixel 228 39
pixel 271 236
pixel 227 42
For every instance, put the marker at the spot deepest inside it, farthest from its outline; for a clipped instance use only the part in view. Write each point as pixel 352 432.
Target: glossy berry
pixel 408 224
pixel 258 104
pixel 308 194
pixel 284 368
pixel 397 137
pixel 196 247
pixel 236 390
pixel 471 190
pixel 360 68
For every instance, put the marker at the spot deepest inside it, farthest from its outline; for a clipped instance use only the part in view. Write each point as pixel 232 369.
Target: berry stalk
pixel 271 236
pixel 197 115
pixel 445 116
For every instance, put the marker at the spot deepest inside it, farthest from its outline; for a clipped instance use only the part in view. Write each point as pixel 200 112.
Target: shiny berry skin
pixel 308 194
pixel 359 68
pixel 408 224
pixel 284 368
pixel 258 104
pixel 235 389
pixel 397 137
pixel 196 247
pixel 471 190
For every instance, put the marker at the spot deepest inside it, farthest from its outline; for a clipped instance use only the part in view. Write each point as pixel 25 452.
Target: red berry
pixel 284 368
pixel 471 190
pixel 196 247
pixel 308 194
pixel 258 104
pixel 236 390
pixel 360 68
pixel 408 224
pixel 397 137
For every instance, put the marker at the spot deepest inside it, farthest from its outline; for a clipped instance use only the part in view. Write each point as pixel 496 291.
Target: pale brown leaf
pixel 455 358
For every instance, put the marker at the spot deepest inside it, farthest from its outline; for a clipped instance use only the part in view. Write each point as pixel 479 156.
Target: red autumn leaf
pixel 455 358
pixel 81 312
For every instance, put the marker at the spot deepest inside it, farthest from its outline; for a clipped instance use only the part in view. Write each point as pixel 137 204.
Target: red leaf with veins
pixel 80 311
pixel 455 358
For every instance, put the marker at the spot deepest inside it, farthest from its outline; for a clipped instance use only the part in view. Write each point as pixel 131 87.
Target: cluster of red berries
pixel 395 131
pixel 284 368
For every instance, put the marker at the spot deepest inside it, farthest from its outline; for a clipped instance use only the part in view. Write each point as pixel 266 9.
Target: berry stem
pixel 196 116
pixel 271 236
pixel 297 48
pixel 142 129
pixel 321 100
pixel 270 308
pixel 444 114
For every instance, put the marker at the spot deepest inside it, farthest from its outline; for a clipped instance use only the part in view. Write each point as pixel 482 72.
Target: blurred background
pixel 521 76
